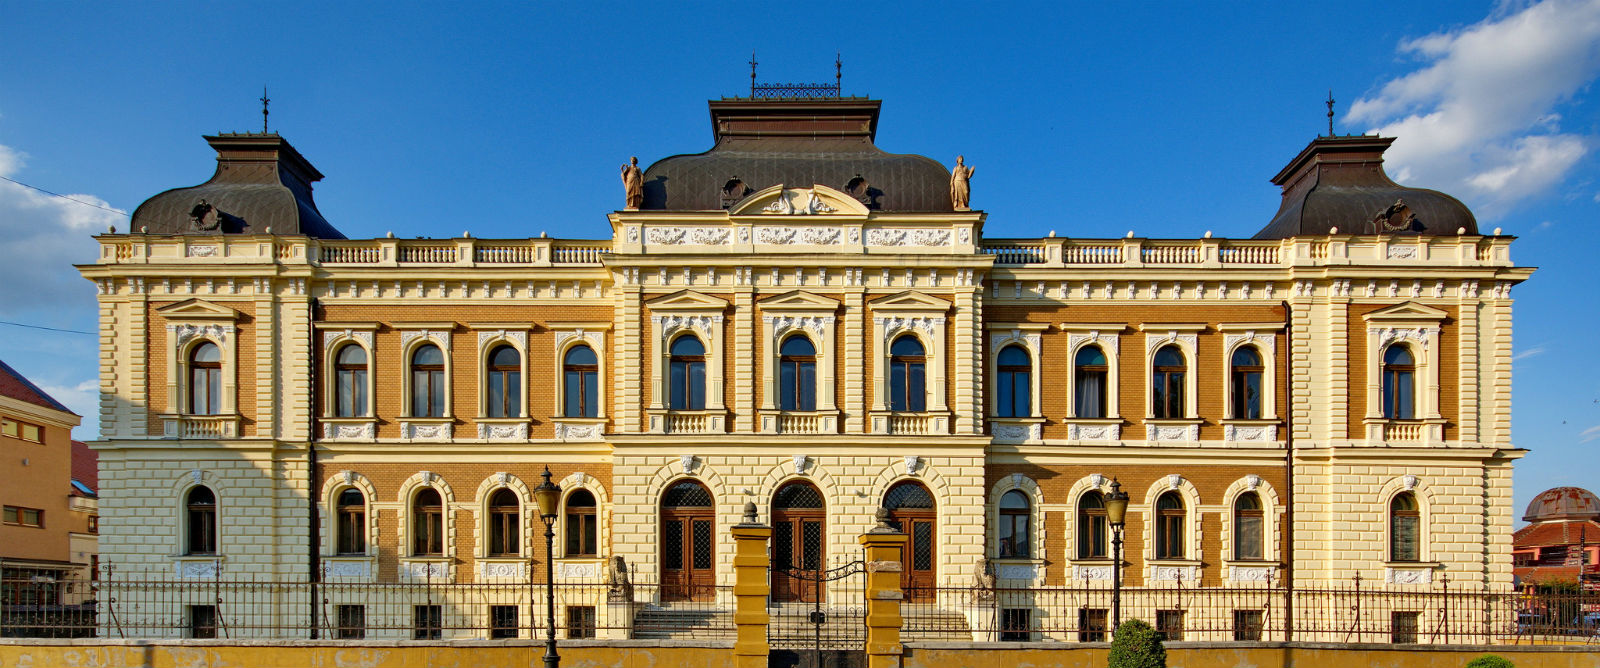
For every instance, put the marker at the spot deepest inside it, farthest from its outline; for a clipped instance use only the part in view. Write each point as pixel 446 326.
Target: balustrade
pixel 430 254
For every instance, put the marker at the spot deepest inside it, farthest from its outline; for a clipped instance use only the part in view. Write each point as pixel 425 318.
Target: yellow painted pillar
pixel 885 548
pixel 750 590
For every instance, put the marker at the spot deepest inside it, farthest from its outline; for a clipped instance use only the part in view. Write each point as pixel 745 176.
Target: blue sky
pixel 511 119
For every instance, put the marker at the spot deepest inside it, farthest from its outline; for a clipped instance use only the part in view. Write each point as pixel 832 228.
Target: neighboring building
pixel 799 319
pixel 42 518
pixel 1561 542
pixel 83 499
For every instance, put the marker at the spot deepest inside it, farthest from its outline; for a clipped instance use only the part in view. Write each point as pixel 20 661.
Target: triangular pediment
pixel 197 309
pixel 687 300
pixel 787 200
pixel 1407 311
pixel 800 300
pixel 910 300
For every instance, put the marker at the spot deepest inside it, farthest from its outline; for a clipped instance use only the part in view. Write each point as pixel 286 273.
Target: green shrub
pixel 1490 661
pixel 1136 645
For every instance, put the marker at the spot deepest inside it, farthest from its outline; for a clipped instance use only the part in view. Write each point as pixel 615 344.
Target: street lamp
pixel 549 498
pixel 1117 515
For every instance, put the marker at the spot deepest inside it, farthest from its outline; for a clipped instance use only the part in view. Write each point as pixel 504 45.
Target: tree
pixel 1136 645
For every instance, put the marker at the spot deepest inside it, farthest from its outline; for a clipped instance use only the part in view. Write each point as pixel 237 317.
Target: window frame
pixel 1169 524
pixel 1163 375
pixel 1006 382
pixel 350 522
pixel 505 523
pixel 1393 517
pixel 206 543
pixel 510 376
pixel 212 382
pixel 588 407
pixel 1240 514
pixel 1185 338
pixel 18 429
pixel 910 392
pixel 14 515
pixel 1389 376
pixel 1095 522
pixel 425 526
pixel 1009 519
pixel 585 517
pixel 794 398
pixel 340 386
pixel 688 363
pixel 1104 373
pixel 1239 380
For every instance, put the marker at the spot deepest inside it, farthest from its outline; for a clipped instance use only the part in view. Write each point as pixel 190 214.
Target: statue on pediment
pixel 633 183
pixel 960 184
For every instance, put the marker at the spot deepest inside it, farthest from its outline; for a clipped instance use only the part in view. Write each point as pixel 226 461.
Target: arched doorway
pixel 911 510
pixel 798 539
pixel 688 543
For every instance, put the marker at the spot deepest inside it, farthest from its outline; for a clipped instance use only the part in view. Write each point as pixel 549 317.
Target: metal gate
pixel 826 627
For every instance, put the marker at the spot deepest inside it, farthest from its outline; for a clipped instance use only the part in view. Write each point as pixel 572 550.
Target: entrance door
pixel 798 528
pixel 912 511
pixel 688 558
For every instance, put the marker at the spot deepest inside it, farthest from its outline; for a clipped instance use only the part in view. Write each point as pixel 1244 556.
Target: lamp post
pixel 549 497
pixel 1116 515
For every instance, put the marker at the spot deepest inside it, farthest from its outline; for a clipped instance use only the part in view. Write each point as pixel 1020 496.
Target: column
pixel 884 547
pixel 750 590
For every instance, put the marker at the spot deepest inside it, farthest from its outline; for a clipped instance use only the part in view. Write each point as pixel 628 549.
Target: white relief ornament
pixel 182 333
pixel 708 236
pixel 688 463
pixel 700 323
pixel 1409 481
pixel 816 324
pixel 667 236
pixel 1174 480
pixel 577 432
pixel 425 432
pixel 494 569
pixel 349 432
pixel 1173 573
pixel 633 234
pixel 911 464
pixel 799 464
pixel 1172 432
pixel 348 476
pixel 423 570
pixel 1252 481
pixel 578 571
pixel 1016 433
pixel 855 235
pixel 502 478
pixel 965 235
pixel 1017 572
pixel 363 336
pixel 521 337
pixel 1408 576
pixel 1096 480
pixel 199 570
pixel 1094 432
pixel 1402 252
pixel 1092 573
pixel 913 237
pixel 1251 573
pixel 1262 433
pixel 502 432
pixel 195 475
pixel 202 251
pixel 345 568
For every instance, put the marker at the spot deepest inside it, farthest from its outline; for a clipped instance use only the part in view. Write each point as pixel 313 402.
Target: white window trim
pixel 583 481
pixel 687 312
pixel 407 498
pixel 1189 562
pixel 1188 342
pixel 1419 489
pixel 189 324
pixel 331 489
pixel 333 340
pixel 1036 530
pixel 480 515
pixel 489 338
pixel 1105 336
pixel 816 323
pixel 1265 340
pixel 1091 483
pixel 1418 328
pixel 1030 337
pixel 180 490
pixel 572 335
pixel 1253 570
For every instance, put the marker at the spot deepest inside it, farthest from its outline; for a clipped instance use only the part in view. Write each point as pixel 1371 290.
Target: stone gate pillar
pixel 750 590
pixel 885 548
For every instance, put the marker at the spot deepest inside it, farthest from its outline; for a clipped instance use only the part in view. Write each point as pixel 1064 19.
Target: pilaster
pixel 968 362
pixel 1471 382
pixel 854 404
pixel 743 402
pixel 269 423
pixel 628 359
pixel 137 352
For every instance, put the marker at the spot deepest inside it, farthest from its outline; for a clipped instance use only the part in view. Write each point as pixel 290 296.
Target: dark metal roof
pixel 796 142
pixel 1339 182
pixel 261 182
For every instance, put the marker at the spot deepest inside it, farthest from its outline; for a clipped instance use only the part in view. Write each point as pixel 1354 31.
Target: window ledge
pixel 1018 568
pixel 1094 429
pixel 667 421
pixel 1263 431
pixel 197 566
pixel 1409 572
pixel 580 429
pixel 349 428
pixel 355 566
pixel 1016 429
pixel 1172 429
pixel 502 429
pixel 909 423
pixel 427 429
pixel 774 421
pixel 1096 568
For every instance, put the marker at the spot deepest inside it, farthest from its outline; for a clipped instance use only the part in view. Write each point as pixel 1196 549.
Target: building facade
pixel 800 320
pixel 48 530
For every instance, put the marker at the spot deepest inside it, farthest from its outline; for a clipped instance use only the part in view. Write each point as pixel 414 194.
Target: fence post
pixel 885 550
pixel 751 564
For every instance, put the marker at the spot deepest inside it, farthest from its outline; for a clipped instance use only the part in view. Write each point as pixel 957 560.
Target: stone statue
pixel 983 583
pixel 960 184
pixel 619 587
pixel 633 183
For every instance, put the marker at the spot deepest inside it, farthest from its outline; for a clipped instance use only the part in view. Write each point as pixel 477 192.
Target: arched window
pixel 350 382
pixel 427 524
pixel 1016 517
pixel 581 383
pixel 1399 384
pixel 1166 383
pixel 504 529
pixel 1169 526
pixel 1015 381
pixel 1405 528
pixel 427 382
pixel 797 374
pixel 200 509
pixel 1089 388
pixel 205 380
pixel 907 375
pixel 1248 529
pixel 582 531
pixel 1247 373
pixel 688 374
pixel 1092 526
pixel 505 382
pixel 350 531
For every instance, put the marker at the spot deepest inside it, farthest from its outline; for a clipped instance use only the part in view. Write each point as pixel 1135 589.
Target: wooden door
pixel 911 510
pixel 797 545
pixel 688 543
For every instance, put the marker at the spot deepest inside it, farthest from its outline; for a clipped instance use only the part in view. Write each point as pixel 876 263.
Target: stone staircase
pixel 677 621
pixel 935 624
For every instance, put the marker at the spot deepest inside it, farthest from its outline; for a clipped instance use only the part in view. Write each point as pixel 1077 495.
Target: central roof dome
pixel 1563 503
pixel 799 143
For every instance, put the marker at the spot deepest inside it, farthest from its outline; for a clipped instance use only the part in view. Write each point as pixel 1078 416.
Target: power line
pixel 52 329
pixel 124 214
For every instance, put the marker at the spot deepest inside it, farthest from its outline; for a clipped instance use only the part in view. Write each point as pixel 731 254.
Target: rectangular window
pixel 1169 624
pixel 352 622
pixel 1407 546
pixel 352 530
pixel 580 621
pixel 17 429
pixel 1250 537
pixel 26 517
pixel 502 621
pixel 581 532
pixel 94 524
pixel 202 621
pixel 427 622
pixel 1091 625
pixel 1247 625
pixel 10 427
pixel 1403 627
pixel 1016 625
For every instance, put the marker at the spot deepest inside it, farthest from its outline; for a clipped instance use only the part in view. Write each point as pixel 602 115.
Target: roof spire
pixel 1330 112
pixel 838 73
pixel 264 101
pixel 752 73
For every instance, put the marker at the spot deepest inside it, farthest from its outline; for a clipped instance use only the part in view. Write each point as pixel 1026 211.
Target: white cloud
pixel 1589 434
pixel 83 399
pixel 1536 350
pixel 1478 119
pixel 43 236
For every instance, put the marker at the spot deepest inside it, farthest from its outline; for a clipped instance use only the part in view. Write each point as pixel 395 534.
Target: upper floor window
pixel 1247 374
pixel 1016 517
pixel 580 370
pixel 1089 389
pixel 22 430
pixel 350 534
pixel 797 374
pixel 427 524
pixel 688 374
pixel 582 532
pixel 200 510
pixel 427 382
pixel 1014 377
pixel 1248 530
pixel 350 381
pixel 205 380
pixel 1399 383
pixel 505 382
pixel 1093 526
pixel 907 375
pixel 1405 528
pixel 1169 526
pixel 1166 383
pixel 504 528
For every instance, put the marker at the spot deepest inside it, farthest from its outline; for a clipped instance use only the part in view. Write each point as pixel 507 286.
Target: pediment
pixel 910 300
pixel 1407 311
pixel 687 300
pixel 197 309
pixel 800 300
pixel 784 200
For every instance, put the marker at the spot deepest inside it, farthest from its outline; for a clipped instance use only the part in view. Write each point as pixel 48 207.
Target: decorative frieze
pixel 1097 573
pixel 1250 433
pixel 503 432
pixel 425 431
pixel 1078 431
pixel 1177 432
pixel 911 237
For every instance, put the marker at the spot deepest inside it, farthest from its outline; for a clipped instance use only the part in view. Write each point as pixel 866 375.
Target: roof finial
pixel 1330 112
pixel 264 101
pixel 838 74
pixel 752 73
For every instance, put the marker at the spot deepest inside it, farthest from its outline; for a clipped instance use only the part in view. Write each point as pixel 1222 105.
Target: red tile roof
pixel 1556 533
pixel 13 385
pixel 85 466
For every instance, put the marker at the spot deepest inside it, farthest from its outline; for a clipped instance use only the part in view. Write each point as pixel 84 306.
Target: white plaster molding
pixel 911 464
pixel 425 432
pixel 1406 576
pixel 519 336
pixel 1409 481
pixel 423 570
pixel 1174 481
pixel 895 324
pixel 1174 573
pixel 198 569
pixel 503 432
pixel 329 337
pixel 442 338
pixel 1181 432
pixel 201 251
pixel 1017 572
pixel 1109 341
pixel 1402 252
pixel 911 237
pixel 1256 433
pixel 1420 335
pixel 567 431
pixel 1262 339
pixel 366 431
pixel 182 333
pixel 1016 433
pixel 1154 341
pixel 703 324
pixel 1252 481
pixel 799 464
pixel 703 236
pixel 346 568
pixel 502 569
pixel 783 323
pixel 997 339
pixel 1098 573
pixel 814 236
pixel 1094 432
pixel 688 463
pixel 568 570
pixel 1252 573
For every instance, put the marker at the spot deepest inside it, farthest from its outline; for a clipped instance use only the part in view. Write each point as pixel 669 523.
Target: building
pixel 798 319
pixel 1561 542
pixel 47 529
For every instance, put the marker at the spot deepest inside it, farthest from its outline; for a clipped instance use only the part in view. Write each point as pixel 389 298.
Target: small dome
pixel 261 184
pixel 1563 503
pixel 1339 182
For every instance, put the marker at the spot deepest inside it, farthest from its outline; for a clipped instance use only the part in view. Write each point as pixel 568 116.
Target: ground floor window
pixel 1016 624
pixel 202 621
pixel 580 621
pixel 502 621
pixel 1246 624
pixel 427 622
pixel 1403 627
pixel 1092 625
pixel 352 622
pixel 1169 624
